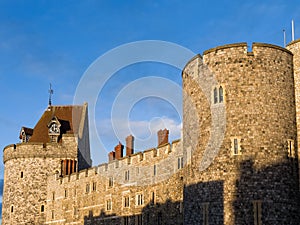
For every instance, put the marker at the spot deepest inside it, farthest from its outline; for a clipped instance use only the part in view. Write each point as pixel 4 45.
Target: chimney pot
pixel 119 151
pixel 111 156
pixel 129 145
pixel 163 137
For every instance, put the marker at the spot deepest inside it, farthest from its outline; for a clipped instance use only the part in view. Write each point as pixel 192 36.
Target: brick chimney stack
pixel 163 137
pixel 119 151
pixel 111 156
pixel 129 145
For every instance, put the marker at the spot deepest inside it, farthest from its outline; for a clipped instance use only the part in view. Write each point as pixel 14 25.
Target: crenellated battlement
pixel 236 47
pixel 243 97
pixel 237 159
pixel 242 49
pixel 164 156
pixel 66 149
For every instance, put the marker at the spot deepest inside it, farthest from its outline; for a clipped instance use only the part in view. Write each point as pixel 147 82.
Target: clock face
pixel 54 129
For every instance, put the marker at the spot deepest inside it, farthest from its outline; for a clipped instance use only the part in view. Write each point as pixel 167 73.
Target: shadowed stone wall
pixel 294 47
pixel 259 103
pixel 237 162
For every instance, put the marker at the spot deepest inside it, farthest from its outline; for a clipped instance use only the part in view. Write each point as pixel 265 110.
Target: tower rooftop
pixel 69 117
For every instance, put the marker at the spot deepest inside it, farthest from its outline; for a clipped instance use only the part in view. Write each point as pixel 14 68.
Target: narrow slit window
pixel 180 163
pixel 94 186
pixel 257 212
pixel 108 205
pixel 139 199
pixel 205 213
pixel 181 207
pixel 87 188
pixel 221 98
pixel 42 208
pixel 291 151
pixel 126 220
pixel 75 211
pixel 215 95
pixel 235 146
pixel 110 182
pixel 127 175
pixel 139 219
pixel 152 201
pixel 67 167
pixel 126 201
pixel 159 218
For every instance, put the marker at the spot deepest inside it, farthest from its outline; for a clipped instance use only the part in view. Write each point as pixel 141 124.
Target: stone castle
pixel 236 163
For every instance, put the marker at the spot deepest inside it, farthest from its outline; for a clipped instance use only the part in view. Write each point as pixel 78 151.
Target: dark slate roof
pixel 68 116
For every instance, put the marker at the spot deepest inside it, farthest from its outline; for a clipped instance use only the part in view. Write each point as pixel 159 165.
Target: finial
pixel 50 94
pixel 293 31
pixel 284 38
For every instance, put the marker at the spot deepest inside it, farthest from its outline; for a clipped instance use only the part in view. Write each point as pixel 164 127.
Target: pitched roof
pixel 28 131
pixel 70 118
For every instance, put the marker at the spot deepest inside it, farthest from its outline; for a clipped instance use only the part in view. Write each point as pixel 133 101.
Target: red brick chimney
pixel 163 137
pixel 129 145
pixel 119 151
pixel 111 156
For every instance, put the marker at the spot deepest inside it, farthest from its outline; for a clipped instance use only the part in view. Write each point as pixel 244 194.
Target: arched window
pixel 215 95
pixel 221 94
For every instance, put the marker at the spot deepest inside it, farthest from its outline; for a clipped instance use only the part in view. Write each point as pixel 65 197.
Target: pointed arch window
pixel 218 94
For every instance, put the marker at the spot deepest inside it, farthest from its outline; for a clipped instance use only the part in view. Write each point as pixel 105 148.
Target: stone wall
pixel 49 150
pixel 82 197
pixel 84 153
pixel 257 113
pixel 294 47
pixel 27 166
pixel 237 162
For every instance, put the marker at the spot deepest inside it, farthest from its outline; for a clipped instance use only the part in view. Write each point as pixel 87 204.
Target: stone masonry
pixel 253 177
pixel 294 47
pixel 28 164
pixel 83 197
pixel 237 161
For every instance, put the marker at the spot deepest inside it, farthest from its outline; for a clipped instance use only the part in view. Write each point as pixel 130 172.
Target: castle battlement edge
pixel 237 161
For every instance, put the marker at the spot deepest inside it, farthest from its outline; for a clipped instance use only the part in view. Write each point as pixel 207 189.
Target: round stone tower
pixel 59 143
pixel 239 131
pixel 27 166
pixel 294 47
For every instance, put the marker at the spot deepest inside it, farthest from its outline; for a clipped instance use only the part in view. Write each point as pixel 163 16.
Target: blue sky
pixel 44 42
